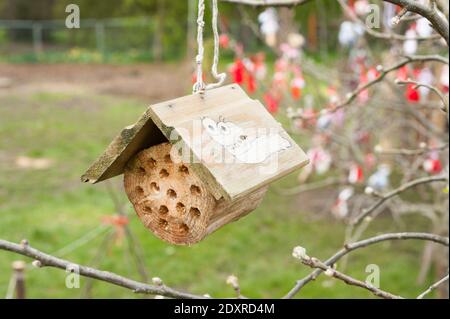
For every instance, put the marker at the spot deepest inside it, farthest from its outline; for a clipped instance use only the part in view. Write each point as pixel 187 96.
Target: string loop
pixel 200 86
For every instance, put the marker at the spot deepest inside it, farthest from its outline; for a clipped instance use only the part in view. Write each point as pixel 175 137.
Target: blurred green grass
pixel 51 208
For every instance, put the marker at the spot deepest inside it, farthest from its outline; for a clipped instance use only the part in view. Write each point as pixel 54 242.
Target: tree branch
pixel 439 22
pixel 270 3
pixel 433 287
pixel 408 152
pixel 386 36
pixel 46 260
pixel 395 192
pixel 434 89
pixel 351 96
pixel 361 244
pixel 317 264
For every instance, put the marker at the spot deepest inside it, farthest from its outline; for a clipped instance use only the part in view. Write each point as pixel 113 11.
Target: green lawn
pixel 51 208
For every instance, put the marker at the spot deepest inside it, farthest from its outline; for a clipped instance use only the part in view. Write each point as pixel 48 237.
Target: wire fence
pixel 97 39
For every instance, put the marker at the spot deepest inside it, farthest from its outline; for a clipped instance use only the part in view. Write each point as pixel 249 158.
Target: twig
pixel 361 244
pixel 270 3
pixel 317 264
pixel 431 88
pixel 439 22
pixel 383 198
pixel 106 276
pixel 309 187
pixel 351 96
pixel 381 35
pixel 433 287
pixel 408 152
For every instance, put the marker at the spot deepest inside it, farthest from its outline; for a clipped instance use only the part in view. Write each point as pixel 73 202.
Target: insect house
pixel 199 162
pixel 196 163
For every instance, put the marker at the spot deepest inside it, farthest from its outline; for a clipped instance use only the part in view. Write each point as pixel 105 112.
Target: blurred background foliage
pixel 71 119
pixel 147 29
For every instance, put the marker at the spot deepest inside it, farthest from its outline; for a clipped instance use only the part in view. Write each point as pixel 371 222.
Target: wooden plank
pixel 228 105
pixel 129 142
pixel 244 165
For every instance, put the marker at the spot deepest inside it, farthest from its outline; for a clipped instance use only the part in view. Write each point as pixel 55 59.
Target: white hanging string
pixel 200 86
pixel 222 76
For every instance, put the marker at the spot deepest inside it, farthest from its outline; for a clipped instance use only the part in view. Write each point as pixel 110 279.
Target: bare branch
pixel 439 22
pixel 317 264
pixel 383 73
pixel 310 186
pixel 381 35
pixel 361 244
pixel 408 152
pixel 443 98
pixel 401 189
pixel 44 259
pixel 433 287
pixel 271 3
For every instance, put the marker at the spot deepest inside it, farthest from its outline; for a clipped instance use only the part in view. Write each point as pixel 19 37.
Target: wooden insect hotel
pixel 199 162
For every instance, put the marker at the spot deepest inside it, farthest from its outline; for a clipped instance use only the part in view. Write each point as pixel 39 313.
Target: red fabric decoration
pixel 356 174
pixel 372 74
pixel 296 87
pixel 370 161
pixel 402 73
pixel 432 166
pixel 238 71
pixel 119 223
pixel 251 83
pixel 363 96
pixel 296 92
pixel 224 41
pixel 412 94
pixel 271 103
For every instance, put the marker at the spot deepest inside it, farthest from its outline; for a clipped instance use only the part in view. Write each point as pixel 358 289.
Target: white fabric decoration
pixel 410 46
pixel 423 27
pixel 349 33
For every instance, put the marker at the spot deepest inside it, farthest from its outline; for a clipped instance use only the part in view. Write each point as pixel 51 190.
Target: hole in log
pixel 172 194
pixel 167 159
pixel 163 210
pixel 163 173
pixel 148 210
pixel 154 187
pixel 181 208
pixel 139 190
pixel 163 223
pixel 194 211
pixel 184 228
pixel 195 190
pixel 184 170
pixel 152 163
pixel 141 170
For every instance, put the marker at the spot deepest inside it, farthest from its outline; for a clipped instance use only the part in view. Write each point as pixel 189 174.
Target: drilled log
pixel 173 202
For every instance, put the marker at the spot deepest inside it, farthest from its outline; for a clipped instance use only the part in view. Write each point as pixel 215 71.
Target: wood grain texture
pixel 179 122
pixel 232 105
pixel 173 202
